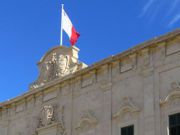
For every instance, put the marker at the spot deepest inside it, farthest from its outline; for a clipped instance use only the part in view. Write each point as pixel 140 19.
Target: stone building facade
pixel 136 92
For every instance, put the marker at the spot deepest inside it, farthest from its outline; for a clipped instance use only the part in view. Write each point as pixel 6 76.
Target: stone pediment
pixel 57 63
pixel 126 106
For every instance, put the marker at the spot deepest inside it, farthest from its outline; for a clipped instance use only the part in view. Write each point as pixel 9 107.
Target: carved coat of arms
pixel 58 63
pixel 47 116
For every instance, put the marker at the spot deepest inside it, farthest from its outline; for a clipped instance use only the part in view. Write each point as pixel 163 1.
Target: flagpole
pixel 61 38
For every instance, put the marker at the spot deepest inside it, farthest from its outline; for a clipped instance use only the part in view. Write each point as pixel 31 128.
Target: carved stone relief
pixel 47 116
pixel 58 63
pixel 174 93
pixel 175 85
pixel 49 120
pixel 63 65
pixel 87 121
pixel 126 106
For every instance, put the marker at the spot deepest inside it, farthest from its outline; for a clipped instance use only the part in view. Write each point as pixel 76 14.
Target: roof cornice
pixel 147 44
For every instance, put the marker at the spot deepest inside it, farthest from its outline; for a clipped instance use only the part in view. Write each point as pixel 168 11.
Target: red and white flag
pixel 68 27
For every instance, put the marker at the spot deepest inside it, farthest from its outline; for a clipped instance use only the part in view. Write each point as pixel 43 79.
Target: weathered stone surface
pixel 139 87
pixel 57 63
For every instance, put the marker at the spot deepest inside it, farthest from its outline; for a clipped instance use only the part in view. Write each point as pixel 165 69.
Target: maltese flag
pixel 68 27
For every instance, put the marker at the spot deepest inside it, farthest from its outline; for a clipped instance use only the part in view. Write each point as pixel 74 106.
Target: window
pixel 129 130
pixel 174 124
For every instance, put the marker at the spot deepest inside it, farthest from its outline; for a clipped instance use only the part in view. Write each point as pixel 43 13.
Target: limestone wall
pixel 140 87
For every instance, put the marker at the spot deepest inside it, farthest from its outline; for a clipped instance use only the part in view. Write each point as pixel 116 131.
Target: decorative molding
pixel 62 122
pixel 175 85
pixel 145 54
pixel 126 106
pixel 102 73
pixel 4 112
pixel 160 52
pixel 52 129
pixel 105 85
pixel 49 96
pixel 111 59
pixel 128 63
pixel 88 79
pixel 86 122
pixel 30 101
pixel 173 47
pixel 133 58
pixel 175 93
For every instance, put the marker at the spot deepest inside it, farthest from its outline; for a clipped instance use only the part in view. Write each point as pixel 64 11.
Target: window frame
pixel 129 123
pixel 169 113
pixel 169 121
pixel 130 126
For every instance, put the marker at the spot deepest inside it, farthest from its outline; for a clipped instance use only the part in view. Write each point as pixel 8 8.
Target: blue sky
pixel 29 28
